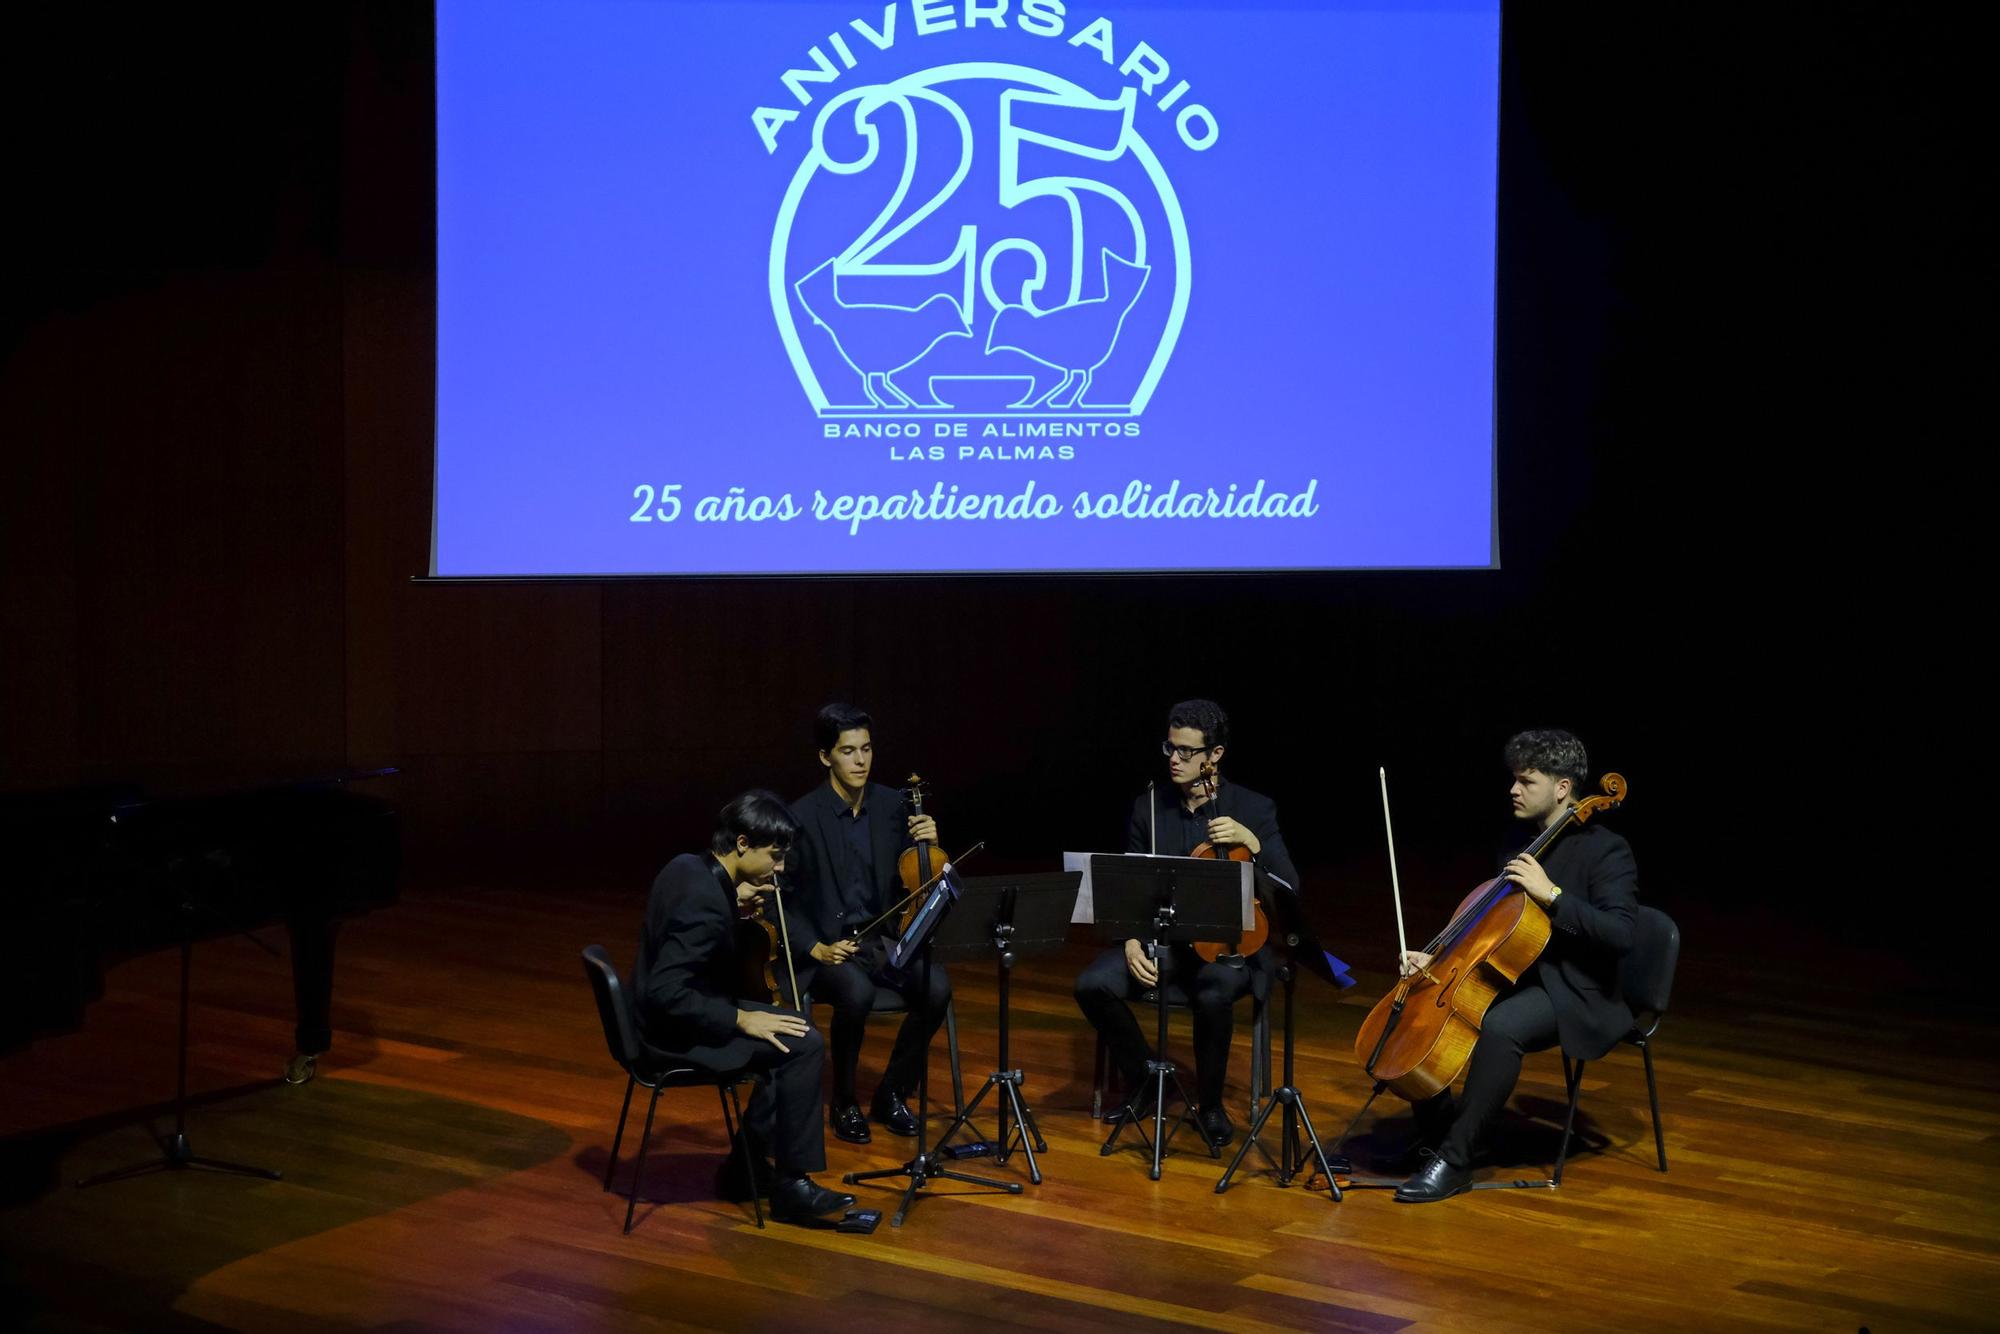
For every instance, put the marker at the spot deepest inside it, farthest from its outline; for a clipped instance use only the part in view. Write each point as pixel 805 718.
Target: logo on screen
pixel 979 239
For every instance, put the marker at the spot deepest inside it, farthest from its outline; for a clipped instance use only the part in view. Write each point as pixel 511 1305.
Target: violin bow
pixel 903 902
pixel 785 939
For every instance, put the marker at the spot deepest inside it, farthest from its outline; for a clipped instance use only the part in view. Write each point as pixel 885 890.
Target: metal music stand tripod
pixel 1291 1158
pixel 176 1153
pixel 1170 901
pixel 925 1167
pixel 1016 917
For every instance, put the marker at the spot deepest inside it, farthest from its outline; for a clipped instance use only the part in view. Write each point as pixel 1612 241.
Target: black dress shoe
pixel 850 1124
pixel 894 1113
pixel 1438 1180
pixel 800 1200
pixel 1216 1125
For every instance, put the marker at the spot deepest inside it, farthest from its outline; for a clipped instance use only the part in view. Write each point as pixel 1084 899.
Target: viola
pixel 1419 1037
pixel 1260 930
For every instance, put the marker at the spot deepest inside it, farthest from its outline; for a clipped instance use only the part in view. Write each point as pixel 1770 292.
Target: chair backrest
pixel 1646 973
pixel 621 1035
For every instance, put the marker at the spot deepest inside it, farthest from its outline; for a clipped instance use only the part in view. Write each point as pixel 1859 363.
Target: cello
pixel 1419 1037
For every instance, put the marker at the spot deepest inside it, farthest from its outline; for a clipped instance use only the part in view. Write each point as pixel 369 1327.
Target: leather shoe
pixel 800 1200
pixel 849 1124
pixel 894 1113
pixel 1216 1125
pixel 1438 1180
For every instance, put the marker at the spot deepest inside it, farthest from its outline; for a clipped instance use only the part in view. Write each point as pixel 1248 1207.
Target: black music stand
pixel 1291 1153
pixel 1169 901
pixel 1016 917
pixel 1293 939
pixel 924 1166
pixel 176 1153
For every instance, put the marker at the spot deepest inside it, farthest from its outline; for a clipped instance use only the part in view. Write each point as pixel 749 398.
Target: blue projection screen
pixel 963 285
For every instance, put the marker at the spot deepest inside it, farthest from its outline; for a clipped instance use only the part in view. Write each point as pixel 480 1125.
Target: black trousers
pixel 1522 1021
pixel 312 981
pixel 1211 989
pixel 850 988
pixel 784 1113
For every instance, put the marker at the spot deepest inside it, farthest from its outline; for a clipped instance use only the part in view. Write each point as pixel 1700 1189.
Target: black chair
pixel 649 1067
pixel 1260 1050
pixel 1646 981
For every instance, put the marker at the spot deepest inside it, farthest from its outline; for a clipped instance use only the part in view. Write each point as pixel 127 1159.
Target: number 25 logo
pixel 979 240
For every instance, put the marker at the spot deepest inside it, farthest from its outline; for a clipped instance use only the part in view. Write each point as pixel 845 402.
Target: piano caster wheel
pixel 301 1069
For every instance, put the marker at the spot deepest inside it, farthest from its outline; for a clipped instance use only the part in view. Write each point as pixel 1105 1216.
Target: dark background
pixel 1736 306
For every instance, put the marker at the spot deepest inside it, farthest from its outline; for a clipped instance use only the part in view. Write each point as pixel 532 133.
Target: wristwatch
pixel 1555 892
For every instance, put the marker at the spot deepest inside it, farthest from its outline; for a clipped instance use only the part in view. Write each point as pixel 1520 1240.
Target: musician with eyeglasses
pixel 1196 806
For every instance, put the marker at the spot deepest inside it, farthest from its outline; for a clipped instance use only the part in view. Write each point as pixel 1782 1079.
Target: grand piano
pixel 97 874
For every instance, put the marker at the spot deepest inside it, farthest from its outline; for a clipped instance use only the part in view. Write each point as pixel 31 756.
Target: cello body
pixel 1443 1011
pixel 1418 1038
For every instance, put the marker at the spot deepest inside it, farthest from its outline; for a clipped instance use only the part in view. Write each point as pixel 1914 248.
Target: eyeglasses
pixel 1182 753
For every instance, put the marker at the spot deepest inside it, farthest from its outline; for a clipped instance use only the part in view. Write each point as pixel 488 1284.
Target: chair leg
pixel 739 1131
pixel 1653 1093
pixel 957 1075
pixel 1098 1079
pixel 624 1108
pixel 1574 1078
pixel 639 1172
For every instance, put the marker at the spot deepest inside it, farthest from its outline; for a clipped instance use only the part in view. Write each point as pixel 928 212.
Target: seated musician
pixel 1199 808
pixel 689 977
pixel 841 877
pixel 1588 884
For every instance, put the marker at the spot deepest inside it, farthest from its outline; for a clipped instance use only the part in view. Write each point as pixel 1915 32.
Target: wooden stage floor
pixel 1832 1145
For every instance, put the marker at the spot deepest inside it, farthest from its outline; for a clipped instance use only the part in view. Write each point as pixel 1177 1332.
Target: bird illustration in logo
pixel 1077 338
pixel 877 340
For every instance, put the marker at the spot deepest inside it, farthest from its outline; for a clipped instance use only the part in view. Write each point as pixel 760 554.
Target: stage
pixel 1830 1131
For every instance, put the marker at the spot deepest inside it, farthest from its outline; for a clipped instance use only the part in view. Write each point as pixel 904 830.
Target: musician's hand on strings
pixel 1526 872
pixel 1140 966
pixel 1415 961
pixel 1226 830
pixel 923 829
pixel 840 951
pixel 769 1027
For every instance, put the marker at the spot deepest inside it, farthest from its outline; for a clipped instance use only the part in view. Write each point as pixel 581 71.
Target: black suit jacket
pixel 1592 925
pixel 812 868
pixel 688 969
pixel 1158 817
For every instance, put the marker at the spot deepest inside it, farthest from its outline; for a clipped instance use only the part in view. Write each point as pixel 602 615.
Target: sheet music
pixel 1085 909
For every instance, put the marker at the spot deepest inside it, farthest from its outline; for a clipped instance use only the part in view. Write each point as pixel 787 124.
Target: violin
pixel 917 867
pixel 1260 930
pixel 760 943
pixel 917 870
pixel 1419 1037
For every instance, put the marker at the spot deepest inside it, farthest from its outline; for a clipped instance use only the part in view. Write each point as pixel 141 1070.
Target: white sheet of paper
pixel 1085 912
